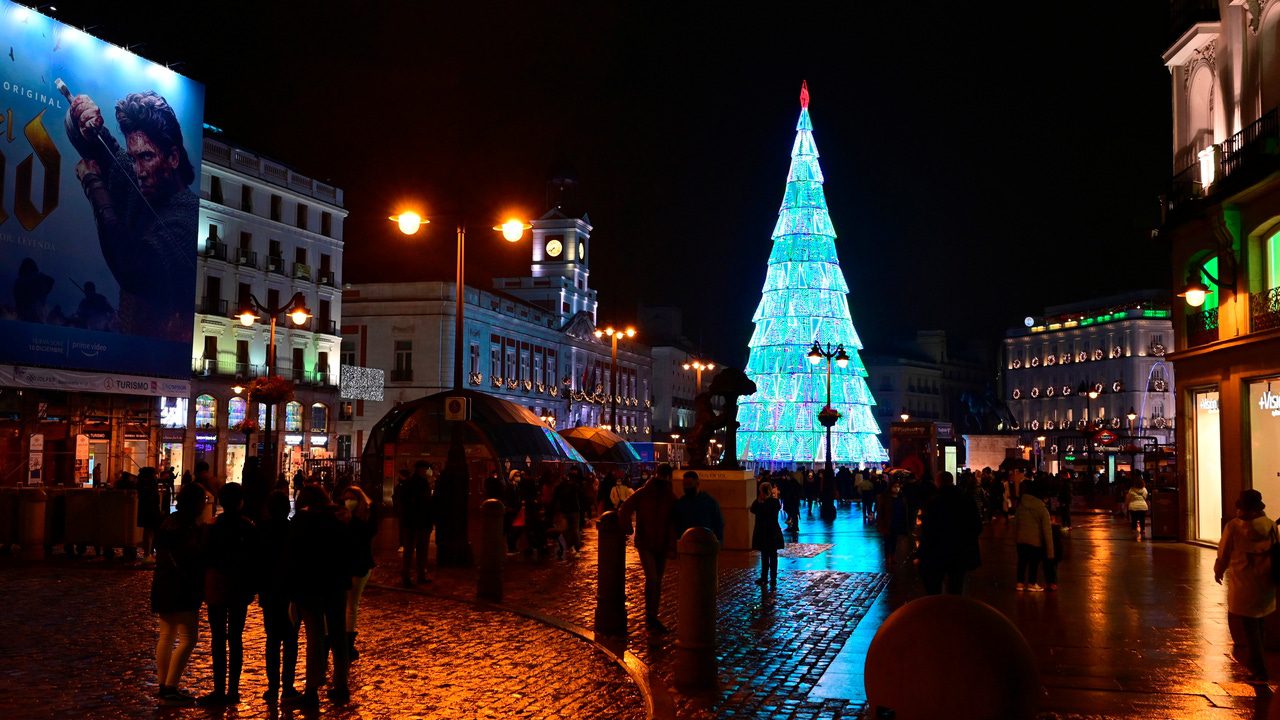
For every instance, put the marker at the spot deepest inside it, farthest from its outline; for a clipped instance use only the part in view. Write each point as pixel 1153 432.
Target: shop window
pixel 319 418
pixel 1272 262
pixel 173 412
pixel 1208 466
pixel 206 412
pixel 215 189
pixel 236 407
pixel 346 410
pixel 1264 437
pixel 262 417
pixel 293 417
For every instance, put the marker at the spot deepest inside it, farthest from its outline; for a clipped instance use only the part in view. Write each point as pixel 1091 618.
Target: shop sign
pixel 319 441
pixel 1270 402
pixel 1208 404
pixel 292 439
pixel 172 434
pixel 1106 437
pixel 37 442
pixel 207 438
pixel 944 430
pixel 98 433
pixel 134 431
pixel 82 447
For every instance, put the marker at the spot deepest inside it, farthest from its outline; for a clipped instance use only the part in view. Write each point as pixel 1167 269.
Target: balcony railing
pixel 328 327
pixel 326 277
pixel 212 306
pixel 209 367
pixel 214 249
pixel 1202 327
pixel 275 264
pixel 1241 155
pixel 1264 310
pixel 246 257
pixel 1249 144
pixel 302 271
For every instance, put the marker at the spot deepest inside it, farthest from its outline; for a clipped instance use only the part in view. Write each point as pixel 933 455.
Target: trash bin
pixel 1164 514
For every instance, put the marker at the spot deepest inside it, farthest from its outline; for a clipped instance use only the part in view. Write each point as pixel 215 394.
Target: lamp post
pixel 698 366
pixel 1090 393
pixel 298 313
pixel 614 335
pixel 1040 440
pixel 453 487
pixel 828 417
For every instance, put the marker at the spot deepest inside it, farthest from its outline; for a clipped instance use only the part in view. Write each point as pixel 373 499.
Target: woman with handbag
pixel 1136 503
pixel 767 535
pixel 1244 558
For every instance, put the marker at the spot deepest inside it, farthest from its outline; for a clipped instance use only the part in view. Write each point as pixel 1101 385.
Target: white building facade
pixel 1116 348
pixel 531 341
pixel 266 232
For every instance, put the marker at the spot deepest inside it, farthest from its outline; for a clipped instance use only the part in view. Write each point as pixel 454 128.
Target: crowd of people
pixel 305 562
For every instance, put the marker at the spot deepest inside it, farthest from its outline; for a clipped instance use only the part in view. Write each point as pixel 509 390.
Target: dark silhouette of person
pixel 142 203
pixel 231 552
pixel 31 291
pixel 94 311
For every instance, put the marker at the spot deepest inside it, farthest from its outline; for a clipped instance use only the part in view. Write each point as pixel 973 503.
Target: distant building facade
pixel 530 340
pixel 1114 347
pixel 674 385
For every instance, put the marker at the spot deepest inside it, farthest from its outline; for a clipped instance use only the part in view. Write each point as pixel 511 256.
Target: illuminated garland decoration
pixel 805 299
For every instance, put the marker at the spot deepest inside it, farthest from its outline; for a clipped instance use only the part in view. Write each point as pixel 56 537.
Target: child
pixel 1051 566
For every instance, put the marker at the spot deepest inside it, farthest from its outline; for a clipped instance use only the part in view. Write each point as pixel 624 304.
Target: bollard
pixel 696 666
pixel 611 576
pixel 31 517
pixel 493 551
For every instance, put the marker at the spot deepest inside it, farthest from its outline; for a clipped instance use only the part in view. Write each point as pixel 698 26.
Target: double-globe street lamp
pixel 698 366
pixel 298 313
pixel 828 417
pixel 452 545
pixel 614 335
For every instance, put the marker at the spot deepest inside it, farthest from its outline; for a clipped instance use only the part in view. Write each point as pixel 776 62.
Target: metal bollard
pixel 696 667
pixel 31 517
pixel 493 551
pixel 611 576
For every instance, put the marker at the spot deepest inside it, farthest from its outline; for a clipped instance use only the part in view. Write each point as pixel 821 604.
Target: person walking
pixel 892 522
pixel 319 576
pixel 1136 502
pixel 273 597
pixel 176 592
pixel 415 507
pixel 652 505
pixel 697 509
pixel 791 492
pixel 357 514
pixel 620 491
pixel 867 494
pixel 149 517
pixel 767 534
pixel 1244 559
pixel 950 526
pixel 1033 535
pixel 567 499
pixel 228 587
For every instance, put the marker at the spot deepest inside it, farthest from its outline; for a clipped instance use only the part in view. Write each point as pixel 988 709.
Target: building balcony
pixel 275 264
pixel 1202 327
pixel 210 367
pixel 1264 310
pixel 214 249
pixel 212 306
pixel 326 326
pixel 327 278
pixel 1237 162
pixel 301 271
pixel 246 258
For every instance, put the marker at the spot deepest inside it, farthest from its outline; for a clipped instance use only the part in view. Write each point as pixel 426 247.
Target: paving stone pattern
pixel 77 641
pixel 773 645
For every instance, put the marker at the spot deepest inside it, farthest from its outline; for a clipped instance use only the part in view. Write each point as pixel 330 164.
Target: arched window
pixel 262 416
pixel 319 418
pixel 1199 113
pixel 236 407
pixel 293 417
pixel 1269 58
pixel 206 412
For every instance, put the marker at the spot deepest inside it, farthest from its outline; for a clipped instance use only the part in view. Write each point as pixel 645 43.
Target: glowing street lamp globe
pixel 409 221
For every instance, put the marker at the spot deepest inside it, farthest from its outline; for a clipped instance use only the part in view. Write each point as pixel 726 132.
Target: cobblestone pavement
pixel 773 646
pixel 77 641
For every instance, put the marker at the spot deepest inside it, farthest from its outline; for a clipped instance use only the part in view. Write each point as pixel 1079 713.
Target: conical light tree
pixel 804 301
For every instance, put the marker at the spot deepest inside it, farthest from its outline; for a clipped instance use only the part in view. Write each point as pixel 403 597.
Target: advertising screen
pixel 99 202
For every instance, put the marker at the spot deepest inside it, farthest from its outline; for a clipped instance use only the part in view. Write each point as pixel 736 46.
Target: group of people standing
pixel 306 571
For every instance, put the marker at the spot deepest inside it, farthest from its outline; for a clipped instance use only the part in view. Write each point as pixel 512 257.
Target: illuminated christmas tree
pixel 804 300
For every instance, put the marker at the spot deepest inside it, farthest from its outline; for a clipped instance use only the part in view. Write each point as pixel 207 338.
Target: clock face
pixel 554 248
pixel 582 251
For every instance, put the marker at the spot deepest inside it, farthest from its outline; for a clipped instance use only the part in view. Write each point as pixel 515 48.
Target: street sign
pixel 1104 436
pixel 457 408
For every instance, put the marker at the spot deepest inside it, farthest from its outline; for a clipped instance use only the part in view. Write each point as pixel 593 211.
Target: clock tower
pixel 558 280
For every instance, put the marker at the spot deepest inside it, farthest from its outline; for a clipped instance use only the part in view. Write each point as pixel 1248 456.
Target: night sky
pixel 981 159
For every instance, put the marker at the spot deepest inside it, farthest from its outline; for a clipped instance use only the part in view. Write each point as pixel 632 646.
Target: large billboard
pixel 99 202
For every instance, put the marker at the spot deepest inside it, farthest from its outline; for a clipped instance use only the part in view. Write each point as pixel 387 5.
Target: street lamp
pixel 904 415
pixel 613 367
pixel 298 313
pixel 828 417
pixel 453 487
pixel 1090 393
pixel 698 366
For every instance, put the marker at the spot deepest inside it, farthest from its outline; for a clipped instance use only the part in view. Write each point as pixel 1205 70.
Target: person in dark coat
pixel 357 514
pixel 892 521
pixel 319 576
pixel 176 591
pixel 652 505
pixel 949 532
pixel 273 597
pixel 567 502
pixel 697 509
pixel 767 535
pixel 791 491
pixel 415 505
pixel 231 551
pixel 149 517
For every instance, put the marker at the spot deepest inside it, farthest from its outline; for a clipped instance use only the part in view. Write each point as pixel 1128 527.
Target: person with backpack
pixel 620 491
pixel 1244 559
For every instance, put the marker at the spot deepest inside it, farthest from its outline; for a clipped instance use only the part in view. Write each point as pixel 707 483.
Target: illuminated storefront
pixel 1264 438
pixel 1207 467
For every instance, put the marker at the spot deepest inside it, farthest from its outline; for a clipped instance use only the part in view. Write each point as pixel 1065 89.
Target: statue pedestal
pixel 735 490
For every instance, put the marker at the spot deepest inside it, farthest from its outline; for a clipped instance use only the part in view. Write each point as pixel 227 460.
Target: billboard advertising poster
pixel 99 203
